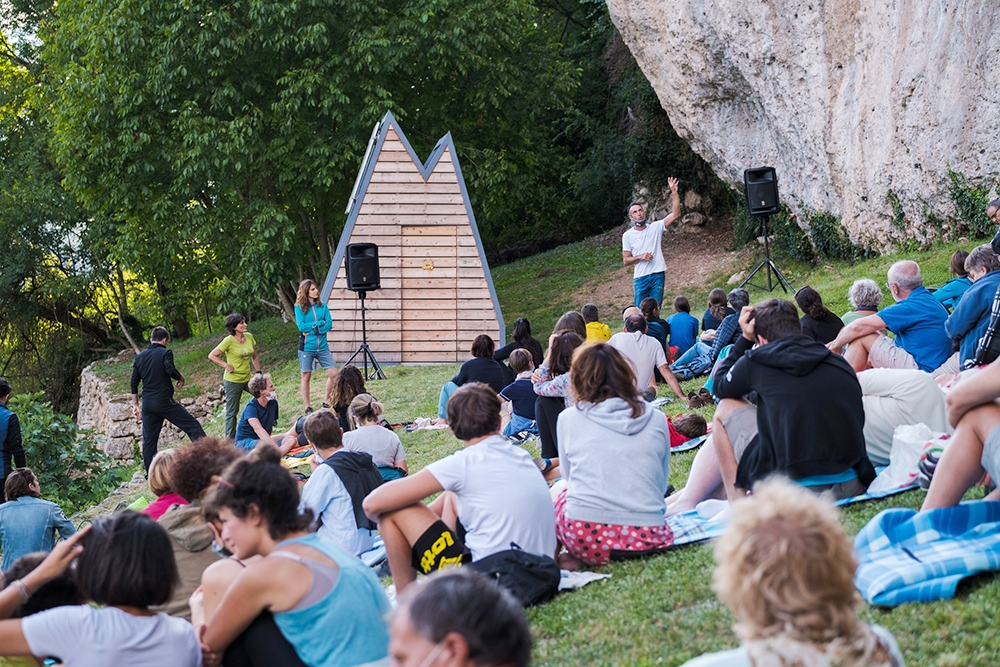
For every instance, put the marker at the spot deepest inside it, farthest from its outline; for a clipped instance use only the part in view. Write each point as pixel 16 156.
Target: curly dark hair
pixel 349 383
pixel 260 481
pixel 195 465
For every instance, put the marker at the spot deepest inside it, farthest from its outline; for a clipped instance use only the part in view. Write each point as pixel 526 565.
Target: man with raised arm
pixel 641 247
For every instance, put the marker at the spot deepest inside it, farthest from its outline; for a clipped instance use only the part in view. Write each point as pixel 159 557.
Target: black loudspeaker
pixel 362 267
pixel 762 190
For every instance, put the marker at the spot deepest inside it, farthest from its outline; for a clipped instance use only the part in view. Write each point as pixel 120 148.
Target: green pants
pixel 234 392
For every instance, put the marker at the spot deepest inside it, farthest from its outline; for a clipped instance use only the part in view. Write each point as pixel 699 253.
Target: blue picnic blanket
pixel 909 556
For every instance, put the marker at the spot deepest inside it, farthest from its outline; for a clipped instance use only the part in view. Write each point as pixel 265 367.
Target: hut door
pixel 429 296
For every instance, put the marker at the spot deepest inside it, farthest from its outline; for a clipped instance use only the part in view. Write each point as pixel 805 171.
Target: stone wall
pixel 110 415
pixel 854 103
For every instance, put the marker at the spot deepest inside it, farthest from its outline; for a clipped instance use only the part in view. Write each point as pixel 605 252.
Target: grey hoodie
pixel 615 467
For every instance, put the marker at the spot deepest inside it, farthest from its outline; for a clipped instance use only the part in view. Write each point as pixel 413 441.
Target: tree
pixel 227 135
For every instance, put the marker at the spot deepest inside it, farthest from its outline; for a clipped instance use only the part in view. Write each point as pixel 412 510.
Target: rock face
pixel 856 104
pixel 110 415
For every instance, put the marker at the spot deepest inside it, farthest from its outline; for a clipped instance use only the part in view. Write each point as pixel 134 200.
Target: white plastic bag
pixel 907 445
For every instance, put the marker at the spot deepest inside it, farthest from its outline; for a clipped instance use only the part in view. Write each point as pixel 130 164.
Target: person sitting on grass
pixel 191 471
pixel 478 482
pixel 306 582
pixel 655 327
pixel 551 383
pixel 481 368
pixel 340 481
pixel 818 322
pixel 459 618
pixel 645 355
pixel 597 331
pixel 28 523
pixel 865 297
pixel 785 568
pixel 124 566
pixel 683 326
pixel 808 418
pixel 160 486
pixel 697 361
pixel 521 395
pixel 973 456
pixel 374 439
pixel 259 417
pixel 614 455
pixel 952 291
pixel 349 383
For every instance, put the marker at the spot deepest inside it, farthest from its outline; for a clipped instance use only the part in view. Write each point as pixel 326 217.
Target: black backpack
pixel 530 578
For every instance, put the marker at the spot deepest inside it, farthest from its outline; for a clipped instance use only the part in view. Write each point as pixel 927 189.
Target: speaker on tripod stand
pixel 761 187
pixel 361 265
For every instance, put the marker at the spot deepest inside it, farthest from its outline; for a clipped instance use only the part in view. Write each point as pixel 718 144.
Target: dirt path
pixel 693 255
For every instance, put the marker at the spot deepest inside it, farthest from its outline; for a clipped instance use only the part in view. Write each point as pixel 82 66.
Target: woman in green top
pixel 240 349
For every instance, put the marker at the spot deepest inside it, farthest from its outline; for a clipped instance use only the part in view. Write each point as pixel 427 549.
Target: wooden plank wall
pixel 421 314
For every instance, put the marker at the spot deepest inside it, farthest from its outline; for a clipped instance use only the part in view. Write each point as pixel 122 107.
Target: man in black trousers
pixel 154 366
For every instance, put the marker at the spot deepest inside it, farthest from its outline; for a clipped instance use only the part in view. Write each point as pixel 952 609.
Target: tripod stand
pixel 768 265
pixel 364 350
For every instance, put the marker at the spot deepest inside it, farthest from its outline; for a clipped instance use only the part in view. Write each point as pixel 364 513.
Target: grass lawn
pixel 659 611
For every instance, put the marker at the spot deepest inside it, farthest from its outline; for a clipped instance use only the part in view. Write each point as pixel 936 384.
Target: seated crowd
pixel 235 564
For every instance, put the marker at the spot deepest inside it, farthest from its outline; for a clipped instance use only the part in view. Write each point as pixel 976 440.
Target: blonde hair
pixel 159 472
pixel 365 408
pixel 786 566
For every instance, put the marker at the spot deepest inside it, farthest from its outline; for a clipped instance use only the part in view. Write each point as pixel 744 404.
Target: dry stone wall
pixel 852 102
pixel 110 415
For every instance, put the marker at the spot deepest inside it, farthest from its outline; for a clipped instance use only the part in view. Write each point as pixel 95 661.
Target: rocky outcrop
pixel 856 104
pixel 110 415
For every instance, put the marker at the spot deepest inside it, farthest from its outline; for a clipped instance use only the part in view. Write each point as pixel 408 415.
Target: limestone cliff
pixel 854 103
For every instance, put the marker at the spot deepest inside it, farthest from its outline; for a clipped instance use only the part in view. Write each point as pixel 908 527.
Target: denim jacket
pixel 29 524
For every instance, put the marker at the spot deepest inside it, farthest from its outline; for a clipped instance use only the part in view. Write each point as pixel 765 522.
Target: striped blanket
pixel 909 556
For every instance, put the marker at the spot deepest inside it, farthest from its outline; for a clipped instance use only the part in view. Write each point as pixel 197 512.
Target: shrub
pixel 970 204
pixel 71 470
pixel 831 240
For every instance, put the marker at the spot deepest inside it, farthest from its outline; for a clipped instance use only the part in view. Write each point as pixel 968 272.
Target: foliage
pixel 898 214
pixel 831 240
pixel 970 204
pixel 786 237
pixel 226 135
pixel 69 466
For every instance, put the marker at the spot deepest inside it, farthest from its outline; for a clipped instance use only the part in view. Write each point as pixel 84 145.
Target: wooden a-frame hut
pixel 436 291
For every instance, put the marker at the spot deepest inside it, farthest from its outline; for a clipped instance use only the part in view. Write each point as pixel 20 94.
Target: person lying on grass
pixel 785 568
pixel 493 494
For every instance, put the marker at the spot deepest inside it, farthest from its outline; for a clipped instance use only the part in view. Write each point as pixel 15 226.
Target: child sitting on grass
pixel 521 394
pixel 597 332
pixel 683 326
pixel 349 383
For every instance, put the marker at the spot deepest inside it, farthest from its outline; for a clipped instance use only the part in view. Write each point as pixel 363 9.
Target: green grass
pixel 659 611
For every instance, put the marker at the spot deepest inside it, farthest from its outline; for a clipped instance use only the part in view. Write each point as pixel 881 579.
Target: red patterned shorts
pixel 593 542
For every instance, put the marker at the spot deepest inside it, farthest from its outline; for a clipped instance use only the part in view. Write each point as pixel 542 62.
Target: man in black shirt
pixel 154 366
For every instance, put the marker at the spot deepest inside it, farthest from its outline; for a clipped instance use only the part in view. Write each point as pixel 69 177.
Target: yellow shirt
pixel 238 356
pixel 598 332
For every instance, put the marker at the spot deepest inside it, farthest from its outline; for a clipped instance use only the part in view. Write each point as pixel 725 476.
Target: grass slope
pixel 659 611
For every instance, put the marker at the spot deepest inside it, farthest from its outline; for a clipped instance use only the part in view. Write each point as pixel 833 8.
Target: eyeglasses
pixel 888 286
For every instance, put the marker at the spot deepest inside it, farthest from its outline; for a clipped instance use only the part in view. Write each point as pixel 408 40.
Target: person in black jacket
pixel 808 419
pixel 154 367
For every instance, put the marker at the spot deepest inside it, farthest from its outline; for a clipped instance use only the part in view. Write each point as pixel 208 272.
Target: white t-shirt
pixel 82 636
pixel 325 494
pixel 380 442
pixel 502 498
pixel 642 352
pixel 640 242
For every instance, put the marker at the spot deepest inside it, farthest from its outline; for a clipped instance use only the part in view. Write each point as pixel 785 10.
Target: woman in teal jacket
pixel 313 319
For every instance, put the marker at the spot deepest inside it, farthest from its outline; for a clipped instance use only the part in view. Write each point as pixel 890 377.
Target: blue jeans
pixel 518 423
pixel 697 350
pixel 651 285
pixel 446 391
